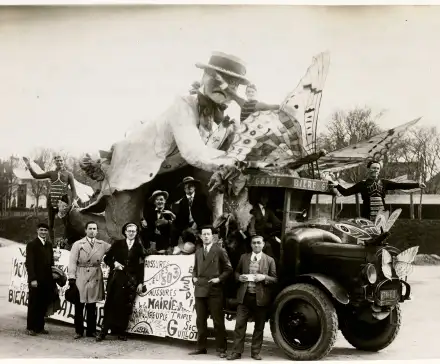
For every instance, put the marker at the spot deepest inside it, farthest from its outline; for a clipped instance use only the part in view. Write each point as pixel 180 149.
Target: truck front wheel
pixel 304 322
pixel 372 336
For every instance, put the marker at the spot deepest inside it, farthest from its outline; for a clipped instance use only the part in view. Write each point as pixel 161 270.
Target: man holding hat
pixel 256 272
pixel 39 264
pixel 158 222
pixel 192 212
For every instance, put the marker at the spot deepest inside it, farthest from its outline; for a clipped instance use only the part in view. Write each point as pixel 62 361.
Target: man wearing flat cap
pixel 39 264
pixel 158 222
pixel 192 131
pixel 192 211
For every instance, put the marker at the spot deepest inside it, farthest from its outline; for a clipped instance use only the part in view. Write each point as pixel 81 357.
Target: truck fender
pixel 332 286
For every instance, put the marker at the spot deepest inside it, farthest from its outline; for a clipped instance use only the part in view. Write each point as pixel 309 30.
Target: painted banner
pixel 164 308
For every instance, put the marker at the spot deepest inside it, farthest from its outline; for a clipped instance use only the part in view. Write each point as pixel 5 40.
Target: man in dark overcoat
pixel 39 263
pixel 256 273
pixel 192 212
pixel 211 269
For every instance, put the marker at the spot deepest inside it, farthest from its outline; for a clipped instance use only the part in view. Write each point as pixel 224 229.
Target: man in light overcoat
pixel 85 272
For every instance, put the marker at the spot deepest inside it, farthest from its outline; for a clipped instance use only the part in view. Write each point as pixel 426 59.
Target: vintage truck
pixel 333 275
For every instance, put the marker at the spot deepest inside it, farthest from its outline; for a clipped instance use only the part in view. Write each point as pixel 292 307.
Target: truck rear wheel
pixel 304 323
pixel 373 336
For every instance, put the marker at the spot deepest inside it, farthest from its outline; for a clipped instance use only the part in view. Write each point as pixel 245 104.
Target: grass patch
pixel 23 228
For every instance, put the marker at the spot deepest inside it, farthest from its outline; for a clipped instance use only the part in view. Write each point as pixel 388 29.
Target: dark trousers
pixel 215 306
pixel 37 307
pixel 244 311
pixel 90 320
pixel 51 213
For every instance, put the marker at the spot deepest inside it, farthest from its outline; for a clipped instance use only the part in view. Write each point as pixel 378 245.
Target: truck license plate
pixel 388 295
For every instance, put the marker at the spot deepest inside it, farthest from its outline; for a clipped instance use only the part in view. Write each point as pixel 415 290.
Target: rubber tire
pixel 378 341
pixel 328 317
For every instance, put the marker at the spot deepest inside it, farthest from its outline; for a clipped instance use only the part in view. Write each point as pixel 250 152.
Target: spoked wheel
pixel 304 323
pixel 372 336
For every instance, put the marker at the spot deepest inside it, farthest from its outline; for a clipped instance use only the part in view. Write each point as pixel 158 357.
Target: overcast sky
pixel 78 78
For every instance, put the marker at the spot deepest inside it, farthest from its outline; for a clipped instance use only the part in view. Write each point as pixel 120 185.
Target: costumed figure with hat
pixel 191 132
pixel 60 181
pixel 192 212
pixel 126 261
pixel 158 223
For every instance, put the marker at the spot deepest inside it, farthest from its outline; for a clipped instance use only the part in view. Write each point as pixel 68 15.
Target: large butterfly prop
pixel 282 137
pixel 370 149
pixel 364 229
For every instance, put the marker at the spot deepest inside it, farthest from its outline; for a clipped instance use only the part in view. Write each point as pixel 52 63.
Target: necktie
pixel 205 252
pixel 255 258
pixel 208 107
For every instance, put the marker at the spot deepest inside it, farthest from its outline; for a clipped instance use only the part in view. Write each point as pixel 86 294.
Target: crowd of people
pixel 185 227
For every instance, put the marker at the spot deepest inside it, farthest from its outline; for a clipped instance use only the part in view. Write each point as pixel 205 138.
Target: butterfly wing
pixel 356 154
pixel 386 264
pixel 352 231
pixel 381 220
pixel 392 219
pixel 403 262
pixel 302 105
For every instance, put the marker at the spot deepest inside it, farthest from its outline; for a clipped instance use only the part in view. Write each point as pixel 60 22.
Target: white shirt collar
pixel 91 240
pixel 42 241
pixel 129 243
pixel 256 255
pixel 208 247
pixel 262 208
pixel 191 196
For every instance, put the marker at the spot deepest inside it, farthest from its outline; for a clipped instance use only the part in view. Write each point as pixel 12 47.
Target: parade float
pixel 333 275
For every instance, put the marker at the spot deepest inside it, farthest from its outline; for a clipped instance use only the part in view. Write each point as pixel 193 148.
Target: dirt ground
pixel 417 338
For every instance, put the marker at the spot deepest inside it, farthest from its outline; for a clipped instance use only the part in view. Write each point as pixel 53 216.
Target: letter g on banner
pixel 172 327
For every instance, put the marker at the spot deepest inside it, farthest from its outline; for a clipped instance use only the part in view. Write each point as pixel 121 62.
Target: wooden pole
pixel 411 206
pixel 317 205
pixel 420 204
pixel 358 206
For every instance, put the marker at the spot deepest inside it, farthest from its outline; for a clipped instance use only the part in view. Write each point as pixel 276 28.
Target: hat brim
pixel 163 193
pixel 194 181
pixel 242 79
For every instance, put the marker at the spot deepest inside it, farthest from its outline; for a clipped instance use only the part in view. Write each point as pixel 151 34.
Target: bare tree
pixel 350 127
pixel 8 180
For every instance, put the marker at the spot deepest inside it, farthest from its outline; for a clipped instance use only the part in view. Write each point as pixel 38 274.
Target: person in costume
pixel 126 261
pixel 60 181
pixel 373 190
pixel 191 131
pixel 158 223
pixel 248 106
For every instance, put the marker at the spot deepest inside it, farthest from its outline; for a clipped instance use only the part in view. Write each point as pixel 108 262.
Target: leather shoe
pixel 122 337
pixel 31 333
pixel 234 356
pixel 77 336
pixel 222 354
pixel 198 352
pixel 91 335
pixel 256 357
pixel 44 331
pixel 100 337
